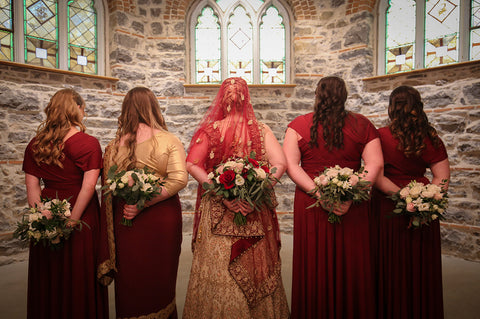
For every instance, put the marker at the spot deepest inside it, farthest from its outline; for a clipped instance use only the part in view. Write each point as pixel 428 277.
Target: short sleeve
pixel 86 152
pixel 29 165
pixel 433 155
pixel 301 125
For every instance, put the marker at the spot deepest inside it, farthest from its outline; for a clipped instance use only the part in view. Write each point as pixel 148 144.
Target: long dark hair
pixel 408 121
pixel 329 111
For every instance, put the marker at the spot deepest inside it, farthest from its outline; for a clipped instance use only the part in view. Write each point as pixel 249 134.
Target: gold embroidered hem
pixel 162 314
pixel 107 266
pixel 249 286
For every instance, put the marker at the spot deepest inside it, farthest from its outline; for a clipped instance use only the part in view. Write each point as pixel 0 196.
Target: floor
pixel 461 281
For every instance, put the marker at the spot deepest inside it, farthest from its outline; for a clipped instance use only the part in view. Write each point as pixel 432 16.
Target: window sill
pixel 445 73
pixel 56 71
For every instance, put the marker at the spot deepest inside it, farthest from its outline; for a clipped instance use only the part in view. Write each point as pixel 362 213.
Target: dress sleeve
pixel 434 155
pixel 176 173
pixel 29 165
pixel 88 153
pixel 198 151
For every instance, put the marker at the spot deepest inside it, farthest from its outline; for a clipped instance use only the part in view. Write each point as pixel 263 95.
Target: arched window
pixel 249 39
pixel 418 34
pixel 66 35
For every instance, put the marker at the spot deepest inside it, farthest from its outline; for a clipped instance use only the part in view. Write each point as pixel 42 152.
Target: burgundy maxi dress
pixel 332 266
pixel 62 284
pixel 409 260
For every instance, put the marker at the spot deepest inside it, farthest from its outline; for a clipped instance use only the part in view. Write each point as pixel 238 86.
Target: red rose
pixel 253 162
pixel 227 179
pixel 266 169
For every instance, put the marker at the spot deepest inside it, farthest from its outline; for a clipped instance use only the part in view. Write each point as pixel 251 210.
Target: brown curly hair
pixel 408 121
pixel 329 111
pixel 64 110
pixel 139 106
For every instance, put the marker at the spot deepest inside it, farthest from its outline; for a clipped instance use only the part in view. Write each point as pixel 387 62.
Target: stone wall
pixel 147 46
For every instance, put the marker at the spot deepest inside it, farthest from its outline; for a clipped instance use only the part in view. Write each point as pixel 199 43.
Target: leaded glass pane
pixel 6 35
pixel 442 24
pixel 207 48
pixel 272 48
pixel 224 4
pixel 240 46
pixel 6 15
pixel 400 36
pixel 41 19
pixel 6 45
pixel 475 31
pixel 82 60
pixel 41 32
pixel 41 52
pixel 82 36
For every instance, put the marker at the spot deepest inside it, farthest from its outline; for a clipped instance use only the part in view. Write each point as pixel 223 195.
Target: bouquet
pixel 134 186
pixel 421 203
pixel 243 178
pixel 50 231
pixel 337 185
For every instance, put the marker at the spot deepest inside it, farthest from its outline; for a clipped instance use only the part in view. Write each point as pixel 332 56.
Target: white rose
pixel 37 235
pixel 239 180
pixel 346 171
pixel 230 164
pixel 428 193
pixel 33 217
pixel 120 185
pixel 335 180
pixel 416 190
pixel 260 173
pixel 124 179
pixel 404 192
pixel 67 213
pixel 210 175
pixel 331 173
pixel 424 207
pixel 113 186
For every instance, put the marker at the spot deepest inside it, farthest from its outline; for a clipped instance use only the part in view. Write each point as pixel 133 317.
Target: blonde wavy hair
pixel 64 110
pixel 139 106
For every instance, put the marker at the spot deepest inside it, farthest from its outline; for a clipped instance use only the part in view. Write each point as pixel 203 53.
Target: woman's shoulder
pixel 83 139
pixel 302 120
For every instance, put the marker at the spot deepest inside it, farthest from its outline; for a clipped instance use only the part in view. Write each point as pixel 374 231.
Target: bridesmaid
pixel 145 255
pixel 332 269
pixel 62 284
pixel 409 261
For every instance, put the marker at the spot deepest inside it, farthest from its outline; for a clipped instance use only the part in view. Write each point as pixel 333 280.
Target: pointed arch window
pixel 249 39
pixel 67 35
pixel 418 34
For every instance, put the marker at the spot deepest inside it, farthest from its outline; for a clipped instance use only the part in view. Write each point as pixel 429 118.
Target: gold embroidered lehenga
pixel 236 270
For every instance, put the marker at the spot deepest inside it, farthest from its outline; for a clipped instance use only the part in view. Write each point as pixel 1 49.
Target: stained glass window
pixel 475 31
pixel 6 30
pixel 442 26
pixel 41 32
pixel 247 39
pixel 82 36
pixel 240 45
pixel 272 47
pixel 400 39
pixel 207 44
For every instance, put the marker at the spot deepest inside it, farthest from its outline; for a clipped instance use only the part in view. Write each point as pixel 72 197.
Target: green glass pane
pixel 240 46
pixel 272 47
pixel 224 4
pixel 207 48
pixel 475 20
pixel 6 22
pixel 41 52
pixel 41 19
pixel 83 60
pixel 475 44
pixel 442 25
pixel 82 29
pixel 400 36
pixel 6 46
